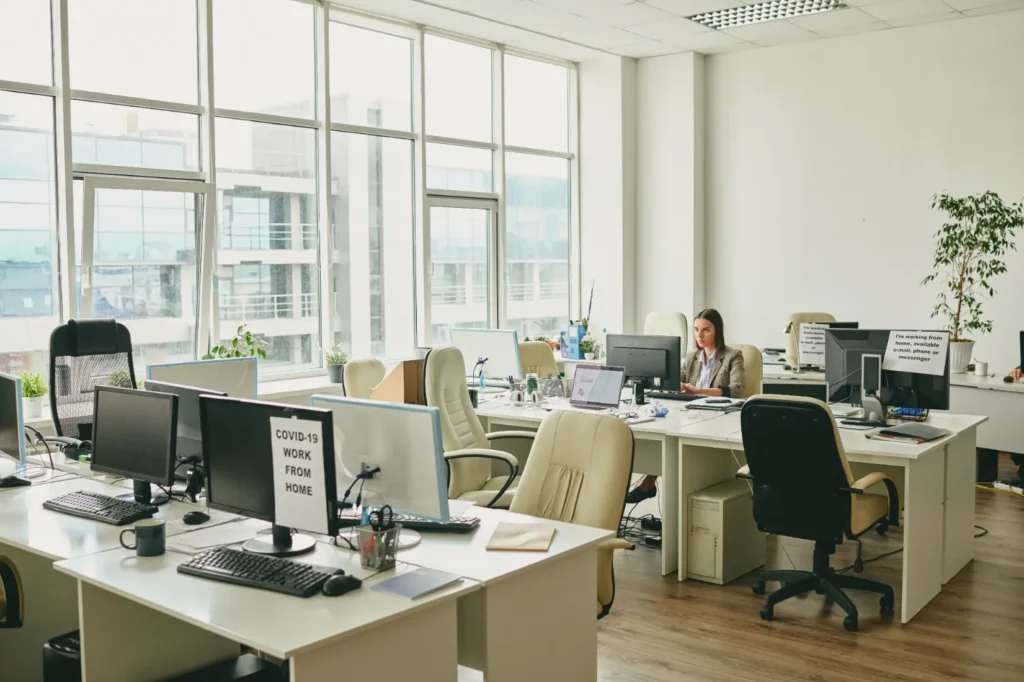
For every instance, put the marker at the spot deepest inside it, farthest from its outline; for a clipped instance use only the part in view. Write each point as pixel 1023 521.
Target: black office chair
pixel 12 603
pixel 803 488
pixel 85 354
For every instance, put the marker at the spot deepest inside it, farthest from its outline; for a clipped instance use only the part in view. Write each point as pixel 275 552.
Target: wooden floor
pixel 661 630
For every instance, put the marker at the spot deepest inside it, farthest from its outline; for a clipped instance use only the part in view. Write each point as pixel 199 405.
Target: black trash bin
pixel 62 659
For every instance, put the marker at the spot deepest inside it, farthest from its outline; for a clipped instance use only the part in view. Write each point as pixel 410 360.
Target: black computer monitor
pixel 844 351
pixel 12 426
pixel 189 430
pixel 647 358
pixel 239 463
pixel 134 436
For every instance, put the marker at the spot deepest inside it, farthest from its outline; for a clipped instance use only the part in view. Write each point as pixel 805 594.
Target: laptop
pixel 597 387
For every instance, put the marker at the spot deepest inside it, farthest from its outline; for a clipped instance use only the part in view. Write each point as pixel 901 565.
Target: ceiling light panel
pixel 764 11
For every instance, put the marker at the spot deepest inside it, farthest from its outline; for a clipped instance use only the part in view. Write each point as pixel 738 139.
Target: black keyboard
pixel 456 524
pixel 673 395
pixel 259 571
pixel 102 508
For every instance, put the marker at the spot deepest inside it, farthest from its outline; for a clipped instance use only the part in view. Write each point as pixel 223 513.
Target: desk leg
pixel 670 534
pixel 699 468
pixel 124 640
pixel 958 538
pixel 539 625
pixel 922 532
pixel 421 647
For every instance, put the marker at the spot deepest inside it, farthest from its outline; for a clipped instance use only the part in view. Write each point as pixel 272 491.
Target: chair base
pixel 822 580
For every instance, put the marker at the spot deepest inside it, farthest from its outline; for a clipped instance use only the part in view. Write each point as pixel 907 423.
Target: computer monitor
pixel 404 441
pixel 844 355
pixel 1021 350
pixel 134 436
pixel 649 360
pixel 189 430
pixel 597 386
pixel 239 442
pixel 498 348
pixel 236 377
pixel 12 421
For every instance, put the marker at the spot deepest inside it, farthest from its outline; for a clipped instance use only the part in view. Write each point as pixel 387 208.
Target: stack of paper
pixel 521 537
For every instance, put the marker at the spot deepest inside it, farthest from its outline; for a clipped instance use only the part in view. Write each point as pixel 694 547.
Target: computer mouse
pixel 194 518
pixel 13 482
pixel 1007 379
pixel 337 585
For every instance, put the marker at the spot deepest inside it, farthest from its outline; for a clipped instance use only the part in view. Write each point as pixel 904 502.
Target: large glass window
pixel 25 45
pixel 371 78
pixel 130 47
pixel 114 135
pixel 29 302
pixel 267 216
pixel 458 89
pixel 463 168
pixel 264 57
pixel 536 104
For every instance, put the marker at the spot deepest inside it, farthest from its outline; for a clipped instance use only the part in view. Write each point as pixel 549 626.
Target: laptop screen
pixel 597 386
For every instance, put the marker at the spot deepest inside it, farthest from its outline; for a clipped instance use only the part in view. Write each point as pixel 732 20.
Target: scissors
pixel 382 519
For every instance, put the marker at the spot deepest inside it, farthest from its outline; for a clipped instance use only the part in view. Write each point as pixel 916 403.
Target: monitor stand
pixel 280 542
pixel 144 495
pixel 639 391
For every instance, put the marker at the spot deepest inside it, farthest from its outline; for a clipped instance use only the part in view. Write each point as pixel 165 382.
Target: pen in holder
pixel 378 548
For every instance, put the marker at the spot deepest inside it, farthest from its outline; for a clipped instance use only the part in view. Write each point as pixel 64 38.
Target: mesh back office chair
pixel 803 488
pixel 12 608
pixel 85 354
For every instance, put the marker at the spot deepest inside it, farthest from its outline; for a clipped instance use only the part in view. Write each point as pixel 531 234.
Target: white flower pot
pixel 588 356
pixel 960 354
pixel 32 408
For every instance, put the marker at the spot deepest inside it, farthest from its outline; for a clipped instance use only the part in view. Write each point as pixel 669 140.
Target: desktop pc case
pixel 723 541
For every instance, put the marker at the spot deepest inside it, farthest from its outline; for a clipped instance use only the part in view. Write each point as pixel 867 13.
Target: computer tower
pixel 62 658
pixel 723 541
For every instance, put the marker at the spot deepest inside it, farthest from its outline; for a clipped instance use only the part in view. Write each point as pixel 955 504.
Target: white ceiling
pixel 577 29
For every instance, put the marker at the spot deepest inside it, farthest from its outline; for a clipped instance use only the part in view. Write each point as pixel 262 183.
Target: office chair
pixel 537 357
pixel 668 324
pixel 361 376
pixel 793 333
pixel 803 488
pixel 12 597
pixel 85 354
pixel 753 369
pixel 578 472
pixel 464 440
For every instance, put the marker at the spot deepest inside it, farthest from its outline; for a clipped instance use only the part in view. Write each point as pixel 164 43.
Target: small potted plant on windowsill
pixel 968 252
pixel 588 347
pixel 33 389
pixel 335 358
pixel 244 345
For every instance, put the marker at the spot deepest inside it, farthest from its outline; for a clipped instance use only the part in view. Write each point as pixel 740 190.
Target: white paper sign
pixel 811 350
pixel 921 352
pixel 300 490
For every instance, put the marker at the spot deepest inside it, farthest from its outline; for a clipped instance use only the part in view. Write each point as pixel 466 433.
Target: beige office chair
pixel 362 376
pixel 537 357
pixel 463 438
pixel 753 371
pixel 793 332
pixel 668 324
pixel 578 472
pixel 12 597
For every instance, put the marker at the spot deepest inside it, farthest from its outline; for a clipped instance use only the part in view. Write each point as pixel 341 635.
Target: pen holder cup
pixel 378 548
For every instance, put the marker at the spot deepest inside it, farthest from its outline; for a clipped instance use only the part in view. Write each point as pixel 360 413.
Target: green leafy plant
pixel 587 345
pixel 968 253
pixel 541 338
pixel 244 345
pixel 335 356
pixel 32 385
pixel 120 379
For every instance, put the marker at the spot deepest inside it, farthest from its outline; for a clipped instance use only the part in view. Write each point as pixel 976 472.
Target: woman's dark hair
pixel 713 316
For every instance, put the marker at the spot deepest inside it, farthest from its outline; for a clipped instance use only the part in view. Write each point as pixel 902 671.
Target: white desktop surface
pixel 779 373
pixel 991 383
pixel 293 388
pixel 278 624
pixel 466 553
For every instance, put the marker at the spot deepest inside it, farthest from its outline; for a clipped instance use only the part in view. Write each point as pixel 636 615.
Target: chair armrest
pixel 860 485
pixel 484 453
pixel 612 544
pixel 744 472
pixel 496 435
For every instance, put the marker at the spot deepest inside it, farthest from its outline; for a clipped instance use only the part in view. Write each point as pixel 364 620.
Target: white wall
pixel 822 159
pixel 669 185
pixel 608 190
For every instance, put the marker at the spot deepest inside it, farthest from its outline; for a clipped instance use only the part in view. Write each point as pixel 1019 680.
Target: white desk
pixel 142 620
pixel 936 482
pixel 1002 403
pixel 535 617
pixel 656 453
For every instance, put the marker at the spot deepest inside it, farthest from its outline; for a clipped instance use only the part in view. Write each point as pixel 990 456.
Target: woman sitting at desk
pixel 713 369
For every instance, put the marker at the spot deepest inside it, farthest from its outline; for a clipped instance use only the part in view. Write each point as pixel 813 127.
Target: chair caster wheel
pixel 850 623
pixel 758 587
pixel 767 613
pixel 858 565
pixel 882 528
pixel 888 604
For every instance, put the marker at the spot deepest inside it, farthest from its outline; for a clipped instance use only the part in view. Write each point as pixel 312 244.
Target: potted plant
pixel 33 389
pixel 588 347
pixel 968 253
pixel 120 379
pixel 335 358
pixel 244 345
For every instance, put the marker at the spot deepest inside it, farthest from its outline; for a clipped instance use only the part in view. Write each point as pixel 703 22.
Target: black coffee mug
pixel 150 537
